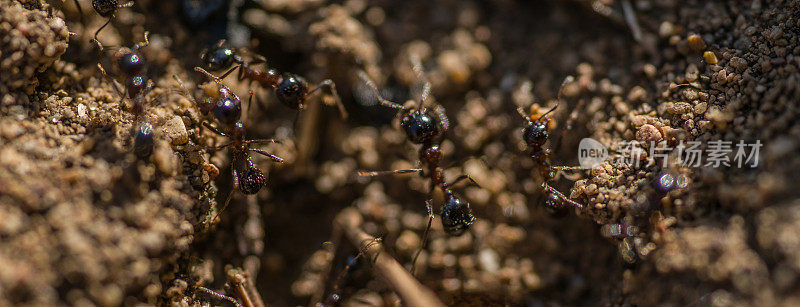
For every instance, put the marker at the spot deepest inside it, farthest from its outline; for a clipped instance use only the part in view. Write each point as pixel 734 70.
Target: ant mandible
pixel 247 178
pixel 535 135
pixel 426 127
pixel 131 64
pixel 291 90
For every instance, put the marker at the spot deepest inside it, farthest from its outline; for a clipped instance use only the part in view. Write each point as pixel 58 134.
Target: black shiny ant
pixel 291 90
pixel 426 127
pixel 226 108
pixel 131 65
pixel 535 135
pixel 217 100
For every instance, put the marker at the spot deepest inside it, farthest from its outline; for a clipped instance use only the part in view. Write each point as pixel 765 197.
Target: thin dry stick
pixel 331 247
pixel 409 289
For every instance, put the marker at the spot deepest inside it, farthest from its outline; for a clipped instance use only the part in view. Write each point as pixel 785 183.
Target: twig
pixel 409 289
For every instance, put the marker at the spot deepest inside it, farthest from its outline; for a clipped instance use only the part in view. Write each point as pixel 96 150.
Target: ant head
pixel 251 179
pixel 105 8
pixel 554 205
pixel 292 91
pixel 535 133
pixel 420 126
pixel 227 110
pixel 220 57
pixel 136 85
pixel 131 63
pixel 143 141
pixel 456 215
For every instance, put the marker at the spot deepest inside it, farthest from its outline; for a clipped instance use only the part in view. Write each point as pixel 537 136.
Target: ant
pixel 131 64
pixel 291 90
pixel 106 9
pixel 535 135
pixel 247 178
pixel 426 127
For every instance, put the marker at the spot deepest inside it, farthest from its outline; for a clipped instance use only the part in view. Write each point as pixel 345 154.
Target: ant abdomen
pixel 456 215
pixel 143 141
pixel 251 179
pixel 105 8
pixel 292 91
pixel 420 127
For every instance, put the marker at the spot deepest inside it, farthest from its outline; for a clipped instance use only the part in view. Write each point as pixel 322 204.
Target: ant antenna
pixel 426 84
pixel 143 43
pixel 383 101
pixel 208 74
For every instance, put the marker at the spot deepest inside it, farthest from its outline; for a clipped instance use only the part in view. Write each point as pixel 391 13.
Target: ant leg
pixel 424 236
pixel 143 43
pixel 213 129
pixel 113 82
pixel 332 86
pixel 95 40
pixel 561 196
pixel 235 187
pixel 128 4
pixel 219 296
pixel 261 141
pixel 371 84
pixel 462 178
pixel 218 147
pixel 361 251
pixel 230 71
pixel 394 172
pixel 268 155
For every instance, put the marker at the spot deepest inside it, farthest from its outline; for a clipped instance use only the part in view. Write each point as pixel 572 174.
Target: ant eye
pixel 227 110
pixel 135 85
pixel 535 135
pixel 218 58
pixel 456 216
pixel 292 91
pixel 251 180
pixel 420 127
pixel 105 8
pixel 131 63
pixel 143 141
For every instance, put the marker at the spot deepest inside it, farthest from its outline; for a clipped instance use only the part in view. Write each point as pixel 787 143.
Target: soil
pixel 86 222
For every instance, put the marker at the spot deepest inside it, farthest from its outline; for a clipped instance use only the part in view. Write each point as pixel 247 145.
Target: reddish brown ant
pixel 131 65
pixel 292 90
pixel 535 135
pixel 426 127
pixel 226 108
